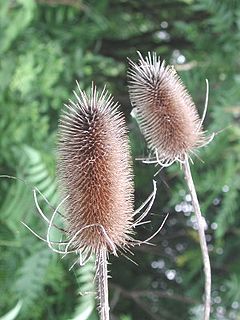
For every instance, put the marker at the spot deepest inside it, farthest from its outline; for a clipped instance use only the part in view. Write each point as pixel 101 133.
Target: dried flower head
pixel 166 113
pixel 170 123
pixel 96 173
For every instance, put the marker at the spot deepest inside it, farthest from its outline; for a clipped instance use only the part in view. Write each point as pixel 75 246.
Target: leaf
pixel 30 283
pixel 233 285
pixel 34 168
pixel 20 17
pixel 85 308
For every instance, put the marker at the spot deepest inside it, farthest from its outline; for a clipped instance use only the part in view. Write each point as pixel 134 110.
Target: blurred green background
pixel 45 45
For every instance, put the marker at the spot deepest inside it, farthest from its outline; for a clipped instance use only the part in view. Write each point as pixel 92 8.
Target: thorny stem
pixel 202 237
pixel 102 284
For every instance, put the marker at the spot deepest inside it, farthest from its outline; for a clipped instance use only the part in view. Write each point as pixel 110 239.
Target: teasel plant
pixel 96 179
pixel 168 119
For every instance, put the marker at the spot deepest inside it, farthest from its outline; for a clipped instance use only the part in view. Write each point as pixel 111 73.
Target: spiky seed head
pixel 166 113
pixel 96 172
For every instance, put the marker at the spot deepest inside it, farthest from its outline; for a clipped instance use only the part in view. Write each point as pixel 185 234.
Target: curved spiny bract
pixel 96 172
pixel 166 113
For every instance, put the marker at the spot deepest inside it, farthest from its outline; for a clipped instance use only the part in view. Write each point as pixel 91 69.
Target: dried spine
pixel 169 121
pixel 96 174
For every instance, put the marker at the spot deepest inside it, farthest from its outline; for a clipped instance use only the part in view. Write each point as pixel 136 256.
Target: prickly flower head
pixel 166 113
pixel 96 172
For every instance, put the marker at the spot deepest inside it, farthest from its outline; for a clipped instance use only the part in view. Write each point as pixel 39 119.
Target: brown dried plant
pixel 95 168
pixel 169 121
pixel 95 174
pixel 164 109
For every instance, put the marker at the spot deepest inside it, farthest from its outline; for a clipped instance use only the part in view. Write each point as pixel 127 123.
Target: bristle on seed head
pixel 166 113
pixel 96 172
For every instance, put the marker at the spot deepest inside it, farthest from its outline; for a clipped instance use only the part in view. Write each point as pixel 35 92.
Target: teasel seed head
pixel 95 171
pixel 164 109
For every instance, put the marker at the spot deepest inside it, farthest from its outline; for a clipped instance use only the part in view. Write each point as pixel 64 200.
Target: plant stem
pixel 202 238
pixel 102 284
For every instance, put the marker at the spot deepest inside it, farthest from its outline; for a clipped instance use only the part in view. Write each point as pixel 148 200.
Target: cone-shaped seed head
pixel 166 113
pixel 95 170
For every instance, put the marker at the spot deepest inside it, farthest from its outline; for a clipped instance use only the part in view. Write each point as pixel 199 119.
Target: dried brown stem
pixel 202 238
pixel 102 284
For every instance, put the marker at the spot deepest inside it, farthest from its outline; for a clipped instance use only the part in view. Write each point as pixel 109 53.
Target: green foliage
pixel 30 279
pixel 45 47
pixel 233 287
pixel 85 308
pixel 37 170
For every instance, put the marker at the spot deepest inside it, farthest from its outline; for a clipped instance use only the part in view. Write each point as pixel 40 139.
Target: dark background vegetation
pixel 45 46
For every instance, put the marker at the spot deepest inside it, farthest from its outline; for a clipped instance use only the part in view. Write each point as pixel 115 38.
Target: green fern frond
pixel 30 282
pixel 85 309
pixel 233 285
pixel 36 170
